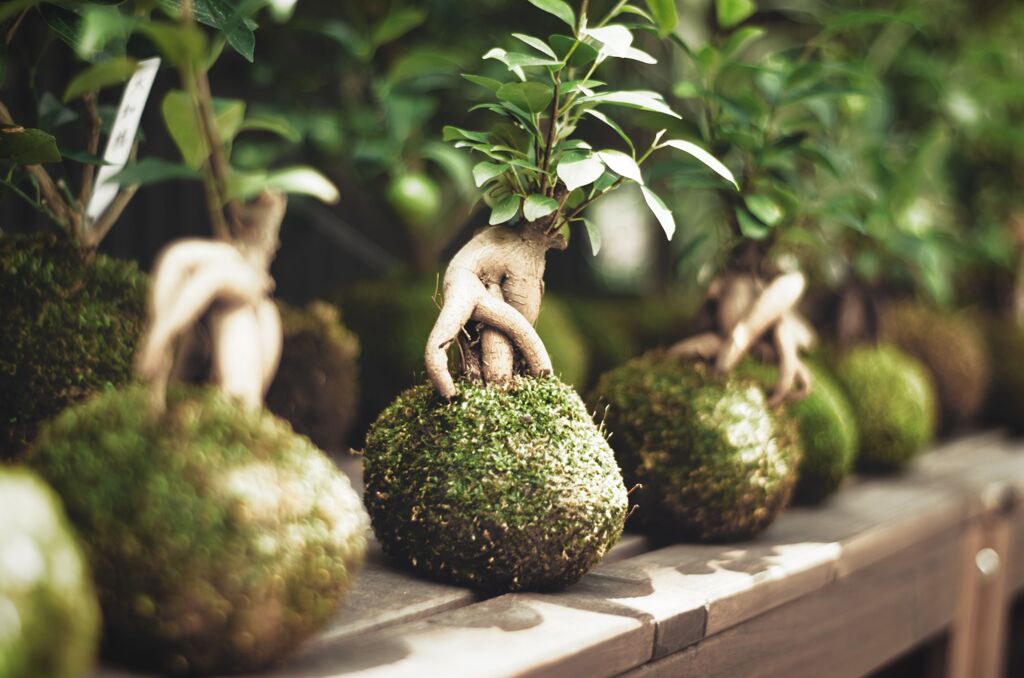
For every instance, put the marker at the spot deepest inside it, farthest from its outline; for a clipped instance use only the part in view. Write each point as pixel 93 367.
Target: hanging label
pixel 122 136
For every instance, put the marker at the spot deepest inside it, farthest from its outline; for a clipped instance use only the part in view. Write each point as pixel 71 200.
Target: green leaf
pixel 622 164
pixel 226 18
pixel 153 170
pixel 536 43
pixel 183 46
pixel 765 209
pixel 275 124
pixel 577 169
pixel 303 180
pixel 180 119
pixel 560 9
pixel 583 55
pixel 733 12
pixel 750 227
pixel 703 156
pixel 83 157
pixel 594 235
pixel 538 206
pixel 665 15
pixel 451 133
pixel 98 76
pixel 534 97
pixel 642 99
pixel 489 83
pixel 397 23
pixel 27 146
pixel 740 39
pixel 486 171
pixel 661 212
pixel 505 210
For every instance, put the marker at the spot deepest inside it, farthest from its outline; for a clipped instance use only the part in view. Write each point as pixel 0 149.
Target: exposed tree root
pixel 747 311
pixel 228 284
pixel 497 281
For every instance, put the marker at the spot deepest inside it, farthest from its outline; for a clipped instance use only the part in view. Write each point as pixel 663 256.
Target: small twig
pixel 92 146
pixel 51 197
pixel 98 231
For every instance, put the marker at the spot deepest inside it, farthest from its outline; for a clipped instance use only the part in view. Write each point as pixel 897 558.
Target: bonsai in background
pixel 224 539
pixel 452 476
pixel 50 615
pixel 71 317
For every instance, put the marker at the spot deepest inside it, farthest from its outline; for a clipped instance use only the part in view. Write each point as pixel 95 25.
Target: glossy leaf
pixel 27 146
pixel 642 99
pixel 765 209
pixel 558 8
pixel 274 124
pixel 531 96
pixel 733 12
pixel 664 14
pixel 705 157
pixel 183 125
pixel 537 44
pixel 505 210
pixel 594 235
pixel 489 83
pixel 303 181
pixel 486 171
pixel 622 164
pixel 661 212
pixel 593 112
pixel 750 226
pixel 154 170
pixel 576 169
pixel 183 46
pixel 96 77
pixel 538 206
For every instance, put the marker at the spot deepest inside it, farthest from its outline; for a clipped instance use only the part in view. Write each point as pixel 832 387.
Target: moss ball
pixel 952 347
pixel 893 403
pixel 316 387
pixel 67 328
pixel 394 317
pixel 715 463
pixel 1005 339
pixel 49 618
pixel 498 490
pixel 827 430
pixel 219 538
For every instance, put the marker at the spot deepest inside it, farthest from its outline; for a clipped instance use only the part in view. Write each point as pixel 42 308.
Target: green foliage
pixel 70 327
pixel 952 346
pixel 827 430
pixel 498 490
pixel 893 402
pixel 715 463
pixel 27 146
pixel 537 163
pixel 222 540
pixel 45 590
pixel 316 386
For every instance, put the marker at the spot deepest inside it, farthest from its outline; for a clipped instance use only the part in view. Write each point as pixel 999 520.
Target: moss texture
pixel 67 328
pixel 501 491
pixel 316 387
pixel 49 618
pixel 219 538
pixel 1005 339
pixel 894 405
pixel 952 347
pixel 394 318
pixel 827 430
pixel 715 463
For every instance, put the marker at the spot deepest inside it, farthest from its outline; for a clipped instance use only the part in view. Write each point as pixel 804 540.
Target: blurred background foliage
pixel 878 146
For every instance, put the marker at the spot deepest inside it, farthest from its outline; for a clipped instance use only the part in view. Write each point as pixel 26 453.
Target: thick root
pixel 745 317
pixel 496 279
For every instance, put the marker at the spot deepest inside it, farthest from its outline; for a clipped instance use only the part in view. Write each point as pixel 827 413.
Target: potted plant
pixel 219 538
pixel 497 477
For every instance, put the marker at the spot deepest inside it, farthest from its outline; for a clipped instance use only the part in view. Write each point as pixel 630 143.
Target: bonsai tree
pixel 674 414
pixel 221 518
pixel 500 480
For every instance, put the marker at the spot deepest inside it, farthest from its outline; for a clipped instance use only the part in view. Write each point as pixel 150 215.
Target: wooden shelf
pixel 837 590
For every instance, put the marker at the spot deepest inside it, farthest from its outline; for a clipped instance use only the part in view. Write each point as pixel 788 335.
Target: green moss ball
pixel 893 403
pixel 498 490
pixel 715 462
pixel 316 387
pixel 49 618
pixel 394 317
pixel 952 347
pixel 218 537
pixel 67 328
pixel 827 430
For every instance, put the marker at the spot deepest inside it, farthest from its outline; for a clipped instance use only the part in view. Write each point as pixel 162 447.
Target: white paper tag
pixel 122 135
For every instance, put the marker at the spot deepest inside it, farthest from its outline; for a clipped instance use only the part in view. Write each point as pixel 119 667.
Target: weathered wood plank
pixel 848 628
pixel 1015 559
pixel 512 635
